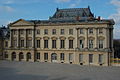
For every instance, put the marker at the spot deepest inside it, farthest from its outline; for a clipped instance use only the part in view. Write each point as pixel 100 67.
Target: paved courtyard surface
pixel 52 71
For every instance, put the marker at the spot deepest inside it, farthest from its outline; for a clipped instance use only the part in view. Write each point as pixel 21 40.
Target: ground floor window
pixel 45 56
pixel 70 56
pixel 38 55
pixel 100 58
pixel 54 56
pixel 90 58
pixel 80 57
pixel 62 56
pixel 6 55
pixel 28 55
pixel 21 56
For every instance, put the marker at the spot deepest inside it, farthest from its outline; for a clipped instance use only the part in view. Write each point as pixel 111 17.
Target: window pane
pixel 71 31
pixel 71 57
pixel 80 57
pixel 90 58
pixel 91 31
pixel 70 43
pixel 81 44
pixel 38 31
pixel 45 56
pixel 38 43
pixel 101 43
pixel 100 58
pixel 81 31
pixel 62 45
pixel 46 31
pixel 90 43
pixel 62 31
pixel 54 31
pixel 45 43
pixel 61 56
pixel 53 43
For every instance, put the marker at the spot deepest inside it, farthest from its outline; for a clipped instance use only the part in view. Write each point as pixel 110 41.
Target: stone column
pixel 106 38
pixel 10 38
pixel 66 43
pixel 86 38
pixel 96 40
pixel 58 43
pixel 42 43
pixel 76 39
pixel 25 44
pixel 17 56
pixel 50 43
pixel 32 38
pixel 18 38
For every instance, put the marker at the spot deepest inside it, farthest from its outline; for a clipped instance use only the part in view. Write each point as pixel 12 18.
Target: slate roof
pixel 72 14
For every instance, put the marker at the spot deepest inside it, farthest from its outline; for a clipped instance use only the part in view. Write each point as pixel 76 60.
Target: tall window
pixel 100 31
pixel 81 44
pixel 71 31
pixel 53 43
pixel 14 32
pixel 80 57
pixel 90 43
pixel 38 31
pixel 62 44
pixel 6 55
pixel 21 43
pixel 21 31
pixel 45 56
pixel 62 56
pixel 54 31
pixel 29 31
pixel 90 58
pixel 46 31
pixel 70 43
pixel 81 31
pixel 91 31
pixel 29 43
pixel 6 43
pixel 38 55
pixel 45 43
pixel 70 56
pixel 38 44
pixel 100 44
pixel 62 31
pixel 100 58
pixel 15 43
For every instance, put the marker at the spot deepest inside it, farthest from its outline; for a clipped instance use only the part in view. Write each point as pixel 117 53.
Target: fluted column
pixel 86 38
pixel 18 38
pixel 106 38
pixel 33 38
pixel 25 44
pixel 96 40
pixel 10 38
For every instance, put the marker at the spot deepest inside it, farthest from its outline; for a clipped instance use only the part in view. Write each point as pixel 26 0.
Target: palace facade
pixel 71 35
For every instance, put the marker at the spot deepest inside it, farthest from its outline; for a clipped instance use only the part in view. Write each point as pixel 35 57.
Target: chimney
pixel 99 18
pixel 57 9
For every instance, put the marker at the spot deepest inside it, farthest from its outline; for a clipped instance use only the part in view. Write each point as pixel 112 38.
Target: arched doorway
pixel 28 56
pixel 54 57
pixel 21 56
pixel 13 56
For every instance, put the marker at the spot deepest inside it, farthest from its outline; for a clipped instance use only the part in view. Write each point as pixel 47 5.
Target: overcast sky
pixel 12 10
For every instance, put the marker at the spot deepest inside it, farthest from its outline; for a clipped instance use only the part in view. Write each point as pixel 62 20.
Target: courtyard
pixel 13 70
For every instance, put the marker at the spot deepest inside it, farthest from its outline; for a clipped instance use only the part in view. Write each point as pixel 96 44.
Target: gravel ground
pixel 12 70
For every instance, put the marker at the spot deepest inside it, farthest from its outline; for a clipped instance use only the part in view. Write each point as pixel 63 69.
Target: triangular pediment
pixel 21 22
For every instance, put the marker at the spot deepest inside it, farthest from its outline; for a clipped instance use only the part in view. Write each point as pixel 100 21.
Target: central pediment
pixel 21 22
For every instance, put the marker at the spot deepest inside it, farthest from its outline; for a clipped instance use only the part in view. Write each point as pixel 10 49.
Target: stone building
pixel 71 35
pixel 4 35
